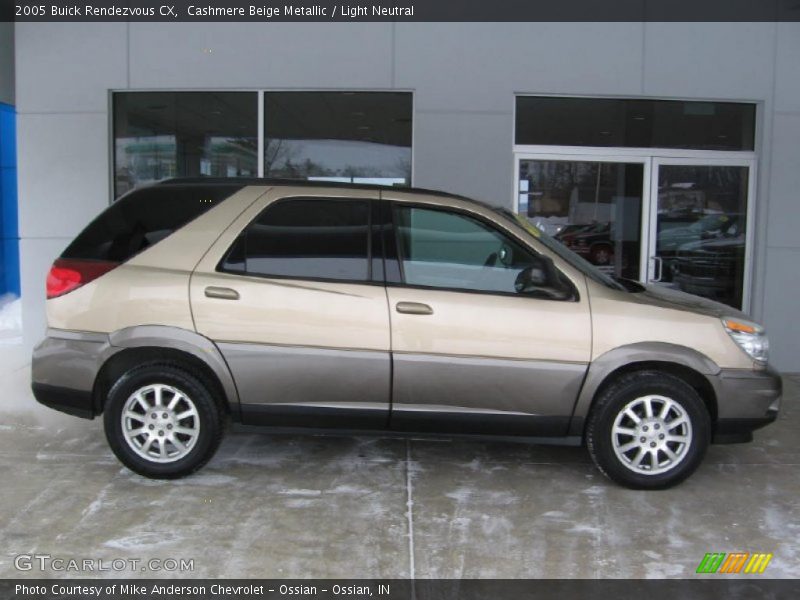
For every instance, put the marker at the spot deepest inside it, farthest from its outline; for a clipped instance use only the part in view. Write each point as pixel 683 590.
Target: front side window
pixel 442 249
pixel 305 238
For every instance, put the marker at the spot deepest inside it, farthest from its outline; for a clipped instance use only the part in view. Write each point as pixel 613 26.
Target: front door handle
pixel 413 308
pixel 222 293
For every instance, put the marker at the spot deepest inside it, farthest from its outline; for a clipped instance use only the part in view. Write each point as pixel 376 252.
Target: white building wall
pixel 464 76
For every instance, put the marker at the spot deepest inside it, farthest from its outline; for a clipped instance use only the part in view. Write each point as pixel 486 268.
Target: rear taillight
pixel 69 274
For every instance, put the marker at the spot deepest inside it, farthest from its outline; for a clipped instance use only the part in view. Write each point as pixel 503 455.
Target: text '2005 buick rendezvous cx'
pixel 299 305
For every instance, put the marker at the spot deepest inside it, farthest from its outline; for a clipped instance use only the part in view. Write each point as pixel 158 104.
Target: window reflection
pixel 158 135
pixel 593 208
pixel 354 137
pixel 701 229
pixel 635 123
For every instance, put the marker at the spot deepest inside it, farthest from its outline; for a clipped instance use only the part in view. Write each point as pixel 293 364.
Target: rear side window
pixel 143 218
pixel 305 238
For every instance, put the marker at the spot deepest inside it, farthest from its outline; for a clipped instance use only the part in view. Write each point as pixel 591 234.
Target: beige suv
pixel 293 304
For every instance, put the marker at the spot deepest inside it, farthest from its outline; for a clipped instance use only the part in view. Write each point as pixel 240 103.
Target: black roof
pixel 244 181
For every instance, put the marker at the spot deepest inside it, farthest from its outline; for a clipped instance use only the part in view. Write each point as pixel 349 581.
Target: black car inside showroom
pixel 412 300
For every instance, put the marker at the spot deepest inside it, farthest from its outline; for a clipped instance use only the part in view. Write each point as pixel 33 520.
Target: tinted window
pixel 450 250
pixel 143 218
pixel 356 137
pixel 307 238
pixel 159 135
pixel 635 123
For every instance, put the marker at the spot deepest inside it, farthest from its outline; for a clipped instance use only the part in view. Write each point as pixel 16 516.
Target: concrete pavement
pixel 293 506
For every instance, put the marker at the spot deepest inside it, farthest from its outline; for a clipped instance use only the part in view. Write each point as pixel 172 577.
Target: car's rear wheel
pixel 162 422
pixel 648 430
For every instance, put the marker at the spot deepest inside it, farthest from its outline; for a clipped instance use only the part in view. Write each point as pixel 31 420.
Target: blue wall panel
pixel 9 236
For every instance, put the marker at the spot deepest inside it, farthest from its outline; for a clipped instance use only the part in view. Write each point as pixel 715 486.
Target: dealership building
pixel 663 152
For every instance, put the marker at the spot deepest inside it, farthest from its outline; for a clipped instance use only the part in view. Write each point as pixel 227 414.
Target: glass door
pixel 593 205
pixel 699 227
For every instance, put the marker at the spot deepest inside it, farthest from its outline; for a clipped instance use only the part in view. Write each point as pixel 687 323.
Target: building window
pixel 356 137
pixel 634 123
pixel 656 190
pixel 158 135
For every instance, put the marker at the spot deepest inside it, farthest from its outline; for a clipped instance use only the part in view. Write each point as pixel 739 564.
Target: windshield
pixel 562 251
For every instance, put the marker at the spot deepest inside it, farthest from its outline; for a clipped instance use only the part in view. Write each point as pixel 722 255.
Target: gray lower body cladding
pixel 322 387
pixel 64 368
pixel 453 394
pixel 353 389
pixel 292 386
pixel 746 400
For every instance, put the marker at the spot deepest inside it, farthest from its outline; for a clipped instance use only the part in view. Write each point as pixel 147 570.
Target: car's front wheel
pixel 162 421
pixel 648 430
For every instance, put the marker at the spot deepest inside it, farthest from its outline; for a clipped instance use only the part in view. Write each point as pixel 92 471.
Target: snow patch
pixel 583 528
pixel 462 494
pixel 10 319
pixel 300 492
pixel 206 479
pixel 554 514
pixel 142 541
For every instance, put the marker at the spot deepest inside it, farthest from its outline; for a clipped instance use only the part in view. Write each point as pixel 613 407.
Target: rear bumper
pixel 73 402
pixel 64 368
pixel 746 400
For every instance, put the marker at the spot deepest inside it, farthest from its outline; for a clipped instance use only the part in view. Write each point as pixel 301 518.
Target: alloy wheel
pixel 160 423
pixel 651 434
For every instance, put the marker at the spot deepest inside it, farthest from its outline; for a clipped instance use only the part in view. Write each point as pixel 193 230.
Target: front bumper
pixel 746 400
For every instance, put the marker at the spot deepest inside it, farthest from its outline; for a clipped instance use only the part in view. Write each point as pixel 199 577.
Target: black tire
pixel 210 418
pixel 606 447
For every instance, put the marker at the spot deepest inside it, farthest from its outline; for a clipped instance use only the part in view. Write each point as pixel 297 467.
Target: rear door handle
pixel 413 308
pixel 222 293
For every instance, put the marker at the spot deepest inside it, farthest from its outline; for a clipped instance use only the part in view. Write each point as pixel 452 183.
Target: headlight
pixel 749 336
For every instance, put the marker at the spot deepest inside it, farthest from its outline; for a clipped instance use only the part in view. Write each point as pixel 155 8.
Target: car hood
pixel 713 247
pixel 677 236
pixel 663 297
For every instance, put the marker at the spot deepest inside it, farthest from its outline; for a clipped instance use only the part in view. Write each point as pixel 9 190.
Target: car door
pixel 290 296
pixel 470 353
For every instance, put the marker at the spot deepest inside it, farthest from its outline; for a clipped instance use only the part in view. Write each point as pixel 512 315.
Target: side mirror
pixel 541 279
pixel 535 276
pixel 529 279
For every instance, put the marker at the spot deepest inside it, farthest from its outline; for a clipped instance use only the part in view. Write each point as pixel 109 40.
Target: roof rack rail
pixel 243 181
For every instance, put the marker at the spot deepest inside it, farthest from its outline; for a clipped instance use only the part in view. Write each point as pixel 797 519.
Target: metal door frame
pixel 708 161
pixel 652 159
pixel 644 247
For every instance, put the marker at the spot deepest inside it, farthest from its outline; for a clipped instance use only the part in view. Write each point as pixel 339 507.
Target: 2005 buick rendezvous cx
pixel 320 306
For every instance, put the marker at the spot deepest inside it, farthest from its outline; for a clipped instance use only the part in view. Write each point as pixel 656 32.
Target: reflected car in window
pixel 708 227
pixel 712 268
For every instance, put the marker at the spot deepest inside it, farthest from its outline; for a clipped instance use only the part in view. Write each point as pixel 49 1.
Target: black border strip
pixel 705 587
pixel 407 10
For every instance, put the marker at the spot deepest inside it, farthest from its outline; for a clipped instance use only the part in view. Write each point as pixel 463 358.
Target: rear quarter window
pixel 143 218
